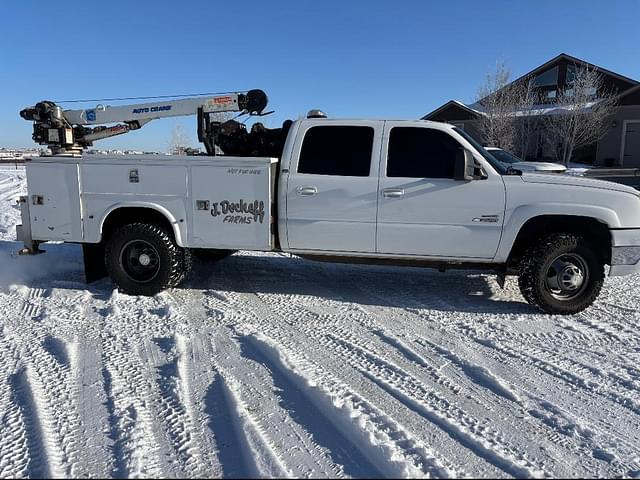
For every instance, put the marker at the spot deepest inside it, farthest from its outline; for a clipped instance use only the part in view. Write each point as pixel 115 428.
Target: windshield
pixel 504 156
pixel 495 163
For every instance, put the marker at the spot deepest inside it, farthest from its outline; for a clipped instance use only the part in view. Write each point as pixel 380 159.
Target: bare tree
pixel 526 98
pixel 506 121
pixel 495 96
pixel 580 114
pixel 179 141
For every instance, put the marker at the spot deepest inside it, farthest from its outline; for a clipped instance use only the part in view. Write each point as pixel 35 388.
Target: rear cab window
pixel 340 150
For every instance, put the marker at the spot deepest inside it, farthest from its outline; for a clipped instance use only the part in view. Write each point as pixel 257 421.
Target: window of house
pixel 337 150
pixel 416 152
pixel 571 74
pixel 546 79
pixel 551 94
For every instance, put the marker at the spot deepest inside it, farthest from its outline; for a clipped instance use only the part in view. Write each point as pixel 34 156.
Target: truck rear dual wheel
pixel 143 259
pixel 562 274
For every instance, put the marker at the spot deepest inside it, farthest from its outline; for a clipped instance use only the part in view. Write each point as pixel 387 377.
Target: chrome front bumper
pixel 625 252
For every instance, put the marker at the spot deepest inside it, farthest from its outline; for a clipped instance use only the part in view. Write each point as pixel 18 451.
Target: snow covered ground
pixel 268 365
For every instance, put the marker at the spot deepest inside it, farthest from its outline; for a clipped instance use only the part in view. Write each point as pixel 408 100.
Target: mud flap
pixel 94 268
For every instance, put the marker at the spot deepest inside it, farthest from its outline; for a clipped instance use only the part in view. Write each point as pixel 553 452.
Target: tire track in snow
pixel 268 446
pixel 26 455
pixel 395 376
pixel 302 404
pixel 560 365
pixel 609 384
pixel 509 334
pixel 572 382
pixel 262 425
pixel 234 451
pixel 51 379
pixel 14 447
pixel 402 452
pixel 139 448
pixel 283 332
pixel 476 373
pixel 136 449
pixel 174 404
pixel 556 367
pixel 43 451
pixel 513 440
pixel 381 440
pixel 480 439
pixel 313 330
pixel 566 433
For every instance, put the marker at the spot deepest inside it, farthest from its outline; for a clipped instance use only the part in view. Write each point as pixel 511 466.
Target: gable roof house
pixel 619 147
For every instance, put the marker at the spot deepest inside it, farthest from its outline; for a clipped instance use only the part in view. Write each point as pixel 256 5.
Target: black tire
pixel 186 261
pixel 211 254
pixel 143 259
pixel 561 274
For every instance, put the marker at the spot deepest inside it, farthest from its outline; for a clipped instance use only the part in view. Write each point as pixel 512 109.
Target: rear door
pixel 332 186
pixel 423 211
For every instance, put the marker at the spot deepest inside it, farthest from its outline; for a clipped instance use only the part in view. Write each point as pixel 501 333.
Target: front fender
pixel 515 220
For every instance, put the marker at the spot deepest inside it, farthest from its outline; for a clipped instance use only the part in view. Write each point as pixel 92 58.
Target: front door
pixel 422 210
pixel 332 188
pixel 631 149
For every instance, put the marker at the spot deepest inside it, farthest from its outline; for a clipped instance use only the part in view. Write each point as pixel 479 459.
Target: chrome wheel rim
pixel 140 261
pixel 567 276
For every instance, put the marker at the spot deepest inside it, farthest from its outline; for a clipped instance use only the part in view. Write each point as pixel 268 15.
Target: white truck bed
pixel 211 202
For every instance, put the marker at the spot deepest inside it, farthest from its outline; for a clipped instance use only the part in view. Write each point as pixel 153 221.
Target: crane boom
pixel 151 111
pixel 69 131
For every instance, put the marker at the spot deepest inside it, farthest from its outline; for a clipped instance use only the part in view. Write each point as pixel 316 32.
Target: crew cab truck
pixel 400 192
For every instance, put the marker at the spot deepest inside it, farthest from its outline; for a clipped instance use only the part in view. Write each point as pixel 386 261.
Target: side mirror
pixel 465 166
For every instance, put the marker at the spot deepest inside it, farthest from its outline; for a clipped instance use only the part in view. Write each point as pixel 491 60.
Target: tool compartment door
pixel 231 206
pixel 54 197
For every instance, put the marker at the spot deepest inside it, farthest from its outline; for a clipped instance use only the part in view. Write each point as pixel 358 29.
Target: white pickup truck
pixel 416 193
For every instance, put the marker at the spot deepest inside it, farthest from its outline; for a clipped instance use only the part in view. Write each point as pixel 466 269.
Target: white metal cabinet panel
pixel 231 205
pixel 135 178
pixel 439 217
pixel 59 217
pixel 341 215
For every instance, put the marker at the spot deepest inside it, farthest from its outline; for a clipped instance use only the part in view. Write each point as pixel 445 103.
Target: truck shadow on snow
pixel 404 287
pixel 282 274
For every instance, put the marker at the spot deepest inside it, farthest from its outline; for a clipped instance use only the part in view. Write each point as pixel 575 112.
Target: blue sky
pixel 393 59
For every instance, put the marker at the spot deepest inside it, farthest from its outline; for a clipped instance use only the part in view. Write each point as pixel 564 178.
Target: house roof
pixel 452 103
pixel 576 60
pixel 631 91
pixel 476 107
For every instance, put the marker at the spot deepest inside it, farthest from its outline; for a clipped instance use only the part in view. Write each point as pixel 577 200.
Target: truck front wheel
pixel 143 259
pixel 562 274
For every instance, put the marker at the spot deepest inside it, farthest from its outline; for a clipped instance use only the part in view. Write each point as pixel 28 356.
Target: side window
pixel 421 153
pixel 337 150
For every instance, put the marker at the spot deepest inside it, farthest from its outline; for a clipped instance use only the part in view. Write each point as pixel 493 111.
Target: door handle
pixel 393 192
pixel 307 191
